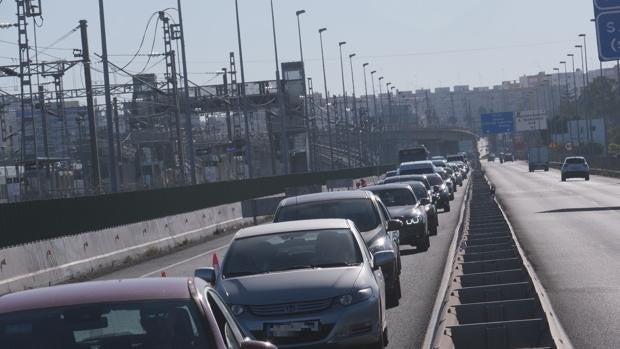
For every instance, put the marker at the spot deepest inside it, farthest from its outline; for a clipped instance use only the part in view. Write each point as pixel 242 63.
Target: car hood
pixel 290 286
pixel 403 211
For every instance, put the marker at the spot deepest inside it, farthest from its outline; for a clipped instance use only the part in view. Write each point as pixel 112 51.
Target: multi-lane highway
pixel 571 234
pixel 420 277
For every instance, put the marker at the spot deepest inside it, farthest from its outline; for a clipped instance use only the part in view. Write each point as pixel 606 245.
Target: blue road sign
pixel 608 33
pixel 496 123
pixel 606 5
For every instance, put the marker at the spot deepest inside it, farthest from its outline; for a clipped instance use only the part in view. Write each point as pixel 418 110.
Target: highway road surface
pixel 420 277
pixel 571 233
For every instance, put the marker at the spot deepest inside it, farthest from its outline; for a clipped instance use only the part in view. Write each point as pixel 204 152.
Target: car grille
pixel 290 308
pixel 304 337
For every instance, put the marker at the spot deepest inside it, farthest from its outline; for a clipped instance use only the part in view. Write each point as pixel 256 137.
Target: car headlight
pixel 355 297
pixel 237 309
pixel 413 220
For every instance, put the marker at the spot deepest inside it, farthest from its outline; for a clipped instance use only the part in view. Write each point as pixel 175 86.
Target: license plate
pixel 291 329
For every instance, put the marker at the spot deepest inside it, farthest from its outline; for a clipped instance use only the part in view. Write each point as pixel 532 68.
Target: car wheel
pixel 380 344
pixel 531 169
pixel 563 179
pixel 546 169
pixel 424 243
pixel 433 230
pixel 446 208
pixel 451 196
pixel 393 294
pixel 587 177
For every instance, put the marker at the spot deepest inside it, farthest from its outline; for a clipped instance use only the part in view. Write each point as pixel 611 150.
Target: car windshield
pixel 291 251
pixel 361 211
pixel 435 180
pixel 138 324
pixel 396 197
pixel 575 161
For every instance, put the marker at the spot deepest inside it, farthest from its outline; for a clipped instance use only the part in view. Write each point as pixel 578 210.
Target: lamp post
pixel 366 89
pixel 388 91
pixel 374 94
pixel 381 95
pixel 329 127
pixel 588 122
pixel 282 107
pixel 355 114
pixel 585 57
pixel 344 90
pixel 572 56
pixel 306 118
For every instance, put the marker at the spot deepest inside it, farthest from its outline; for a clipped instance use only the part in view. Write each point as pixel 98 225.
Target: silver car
pixel 311 284
pixel 575 167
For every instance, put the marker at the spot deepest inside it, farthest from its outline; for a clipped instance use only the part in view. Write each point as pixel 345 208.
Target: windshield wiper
pixel 336 265
pixel 240 273
pixel 309 266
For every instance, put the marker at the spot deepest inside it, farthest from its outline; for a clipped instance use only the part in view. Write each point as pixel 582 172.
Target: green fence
pixel 27 222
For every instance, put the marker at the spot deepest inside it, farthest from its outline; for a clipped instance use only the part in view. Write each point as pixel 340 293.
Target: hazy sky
pixel 413 43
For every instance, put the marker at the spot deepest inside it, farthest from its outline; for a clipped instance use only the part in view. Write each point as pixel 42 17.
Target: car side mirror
pixel 382 258
pixel 425 201
pixel 206 274
pixel 252 344
pixel 394 224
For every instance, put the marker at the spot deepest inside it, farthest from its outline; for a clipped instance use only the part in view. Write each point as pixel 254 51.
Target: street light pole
pixel 374 94
pixel 366 90
pixel 282 113
pixel 588 122
pixel 389 97
pixel 585 57
pixel 356 116
pixel 572 56
pixel 381 96
pixel 329 127
pixel 306 118
pixel 246 122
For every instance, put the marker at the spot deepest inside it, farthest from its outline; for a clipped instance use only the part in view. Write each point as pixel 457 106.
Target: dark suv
pixel 370 216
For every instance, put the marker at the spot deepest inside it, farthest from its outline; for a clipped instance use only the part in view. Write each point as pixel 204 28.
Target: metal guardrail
pixel 494 299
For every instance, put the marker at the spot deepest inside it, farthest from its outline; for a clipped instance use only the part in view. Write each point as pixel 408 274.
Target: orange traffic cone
pixel 216 264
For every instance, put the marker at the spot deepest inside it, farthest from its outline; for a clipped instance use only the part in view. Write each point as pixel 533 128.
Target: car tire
pixel 531 169
pixel 446 208
pixel 451 197
pixel 424 244
pixel 546 169
pixel 587 177
pixel 379 345
pixel 433 230
pixel 563 179
pixel 393 294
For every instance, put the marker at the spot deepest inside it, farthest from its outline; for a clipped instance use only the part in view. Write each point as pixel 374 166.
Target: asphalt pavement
pixel 571 234
pixel 420 279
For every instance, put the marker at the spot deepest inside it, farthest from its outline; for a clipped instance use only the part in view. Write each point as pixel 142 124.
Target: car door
pixel 230 331
pixel 385 217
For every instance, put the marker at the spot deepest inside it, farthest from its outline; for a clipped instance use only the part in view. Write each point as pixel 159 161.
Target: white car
pixel 575 167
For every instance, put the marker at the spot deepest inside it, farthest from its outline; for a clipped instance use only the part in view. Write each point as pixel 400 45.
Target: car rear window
pixel 361 211
pixel 147 324
pixel 575 161
pixel 416 170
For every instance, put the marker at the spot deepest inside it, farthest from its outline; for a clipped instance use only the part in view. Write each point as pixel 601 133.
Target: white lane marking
pixel 91 259
pixel 184 261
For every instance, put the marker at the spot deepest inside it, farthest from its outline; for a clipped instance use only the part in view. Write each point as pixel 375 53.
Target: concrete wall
pixel 59 260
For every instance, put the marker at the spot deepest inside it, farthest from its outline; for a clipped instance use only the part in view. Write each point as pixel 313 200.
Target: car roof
pixel 389 186
pixel 293 226
pixel 327 196
pixel 425 163
pixel 575 157
pixel 96 292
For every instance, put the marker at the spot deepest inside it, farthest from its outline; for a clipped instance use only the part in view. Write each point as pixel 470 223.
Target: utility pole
pixel 90 107
pixel 173 89
pixel 248 144
pixel 46 148
pixel 112 164
pixel 226 93
pixel 189 133
pixel 306 120
pixel 119 153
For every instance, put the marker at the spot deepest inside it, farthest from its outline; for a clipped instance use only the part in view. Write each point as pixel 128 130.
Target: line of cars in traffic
pixel 322 275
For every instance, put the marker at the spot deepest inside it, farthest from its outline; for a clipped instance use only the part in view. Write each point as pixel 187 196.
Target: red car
pixel 157 313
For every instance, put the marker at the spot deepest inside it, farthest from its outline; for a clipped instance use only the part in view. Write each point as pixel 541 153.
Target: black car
pixel 422 191
pixel 402 204
pixel 371 217
pixel 439 187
